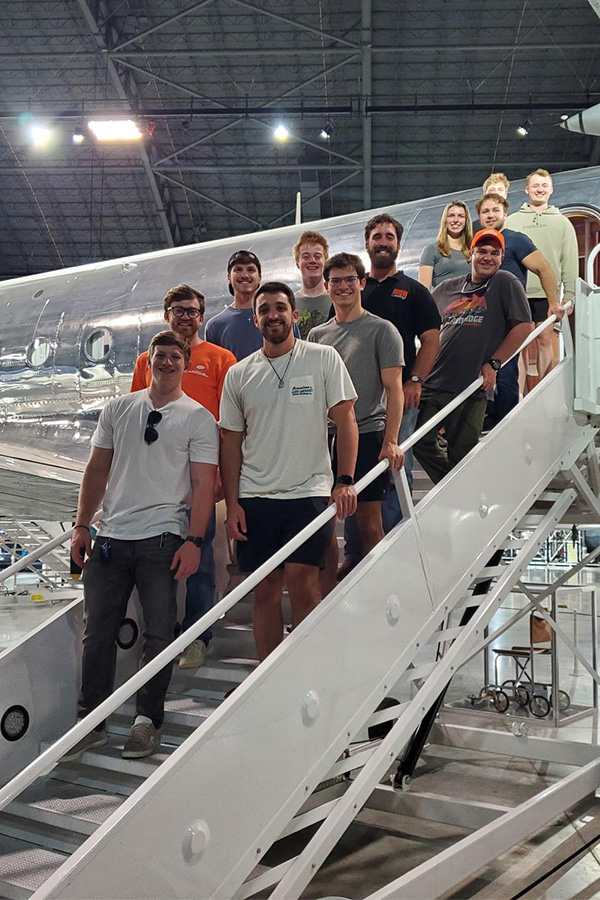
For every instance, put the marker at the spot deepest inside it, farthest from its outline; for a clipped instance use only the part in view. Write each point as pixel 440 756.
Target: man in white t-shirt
pixel 275 463
pixel 150 449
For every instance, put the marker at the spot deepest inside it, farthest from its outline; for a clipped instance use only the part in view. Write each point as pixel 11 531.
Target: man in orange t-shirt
pixel 203 382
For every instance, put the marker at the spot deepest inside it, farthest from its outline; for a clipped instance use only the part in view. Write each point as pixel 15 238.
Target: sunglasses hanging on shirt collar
pixel 474 289
pixel 151 434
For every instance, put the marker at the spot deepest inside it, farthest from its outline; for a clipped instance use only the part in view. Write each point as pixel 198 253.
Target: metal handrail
pixel 590 265
pixel 32 557
pixel 52 755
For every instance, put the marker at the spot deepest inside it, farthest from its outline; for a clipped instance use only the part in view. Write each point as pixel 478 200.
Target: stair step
pixel 228 671
pixel 180 709
pixel 23 868
pixel 95 778
pixel 64 805
pixel 109 758
pixel 48 837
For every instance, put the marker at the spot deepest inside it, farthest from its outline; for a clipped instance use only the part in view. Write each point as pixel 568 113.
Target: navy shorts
pixel 369 448
pixel 539 309
pixel 272 523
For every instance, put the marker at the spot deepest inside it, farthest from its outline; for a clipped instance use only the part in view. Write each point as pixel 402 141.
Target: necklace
pixel 280 378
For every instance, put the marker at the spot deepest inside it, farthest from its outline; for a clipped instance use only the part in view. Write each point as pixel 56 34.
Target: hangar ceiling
pixel 419 98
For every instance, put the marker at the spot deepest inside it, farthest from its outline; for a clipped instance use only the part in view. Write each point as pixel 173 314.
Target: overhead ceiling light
pixel 78 137
pixel 40 135
pixel 281 133
pixel 326 132
pixel 564 117
pixel 115 130
pixel 523 130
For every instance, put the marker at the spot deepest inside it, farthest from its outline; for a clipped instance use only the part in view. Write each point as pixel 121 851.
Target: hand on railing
pixel 393 453
pixel 345 499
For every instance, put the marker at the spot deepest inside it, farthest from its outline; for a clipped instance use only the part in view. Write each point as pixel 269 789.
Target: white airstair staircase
pixel 289 748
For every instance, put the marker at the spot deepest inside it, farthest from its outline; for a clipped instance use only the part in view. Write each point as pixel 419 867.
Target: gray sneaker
pixel 93 739
pixel 142 741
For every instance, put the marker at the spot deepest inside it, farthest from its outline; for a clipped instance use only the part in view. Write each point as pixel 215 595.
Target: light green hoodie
pixel 555 237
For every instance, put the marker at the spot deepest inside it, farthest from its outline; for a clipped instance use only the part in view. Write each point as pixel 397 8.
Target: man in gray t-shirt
pixel 312 300
pixel 373 352
pixel 485 319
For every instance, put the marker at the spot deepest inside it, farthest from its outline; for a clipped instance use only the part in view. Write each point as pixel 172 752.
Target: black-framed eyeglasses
pixel 350 280
pixel 180 311
pixel 151 434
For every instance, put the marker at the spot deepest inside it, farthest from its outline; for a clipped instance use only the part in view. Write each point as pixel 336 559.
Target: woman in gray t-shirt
pixel 448 256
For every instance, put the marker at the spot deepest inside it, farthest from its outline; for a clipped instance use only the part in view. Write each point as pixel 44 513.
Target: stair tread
pixel 25 865
pixel 64 798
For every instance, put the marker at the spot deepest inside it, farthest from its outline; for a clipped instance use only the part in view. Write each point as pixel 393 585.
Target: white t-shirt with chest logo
pixel 285 453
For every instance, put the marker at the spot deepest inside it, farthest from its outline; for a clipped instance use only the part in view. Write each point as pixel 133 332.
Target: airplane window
pixel 39 351
pixel 98 344
pixel 38 293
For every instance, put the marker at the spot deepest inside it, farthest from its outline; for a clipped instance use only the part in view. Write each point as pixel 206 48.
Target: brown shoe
pixel 345 568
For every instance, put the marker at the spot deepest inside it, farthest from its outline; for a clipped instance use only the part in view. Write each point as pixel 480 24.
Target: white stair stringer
pixel 200 823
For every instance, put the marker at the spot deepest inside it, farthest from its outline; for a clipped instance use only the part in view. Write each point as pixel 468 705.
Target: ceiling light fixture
pixel 523 130
pixel 78 137
pixel 281 133
pixel 325 134
pixel 40 135
pixel 115 130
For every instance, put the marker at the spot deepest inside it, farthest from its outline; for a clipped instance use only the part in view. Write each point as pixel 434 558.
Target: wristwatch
pixel 495 364
pixel 344 479
pixel 416 379
pixel 196 541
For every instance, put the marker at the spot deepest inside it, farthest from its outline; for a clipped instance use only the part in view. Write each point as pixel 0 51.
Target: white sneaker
pixel 194 656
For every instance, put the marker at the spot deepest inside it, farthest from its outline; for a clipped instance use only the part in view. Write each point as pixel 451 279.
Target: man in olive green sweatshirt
pixel 553 234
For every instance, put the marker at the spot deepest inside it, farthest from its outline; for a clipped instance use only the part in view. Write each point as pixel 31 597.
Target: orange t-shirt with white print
pixel 202 380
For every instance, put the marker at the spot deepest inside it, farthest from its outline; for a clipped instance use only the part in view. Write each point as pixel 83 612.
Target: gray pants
pixel 109 577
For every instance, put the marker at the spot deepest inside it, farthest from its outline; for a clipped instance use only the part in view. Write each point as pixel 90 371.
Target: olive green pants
pixel 462 431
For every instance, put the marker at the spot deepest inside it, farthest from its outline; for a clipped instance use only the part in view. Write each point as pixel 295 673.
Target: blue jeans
pixel 391 513
pixel 201 586
pixel 507 389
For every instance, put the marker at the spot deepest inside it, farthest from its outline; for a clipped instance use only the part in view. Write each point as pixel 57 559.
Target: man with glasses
pixel 150 449
pixel 203 382
pixel 373 353
pixel 485 318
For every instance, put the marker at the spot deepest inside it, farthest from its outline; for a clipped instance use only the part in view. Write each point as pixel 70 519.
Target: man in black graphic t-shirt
pixel 485 318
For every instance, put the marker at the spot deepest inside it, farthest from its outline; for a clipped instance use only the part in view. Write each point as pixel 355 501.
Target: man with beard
pixel 275 462
pixel 486 317
pixel 203 382
pixel 409 306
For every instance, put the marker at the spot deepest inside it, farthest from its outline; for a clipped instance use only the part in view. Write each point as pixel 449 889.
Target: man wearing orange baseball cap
pixel 485 318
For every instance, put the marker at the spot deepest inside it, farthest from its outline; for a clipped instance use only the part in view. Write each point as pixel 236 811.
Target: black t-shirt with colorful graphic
pixel 475 321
